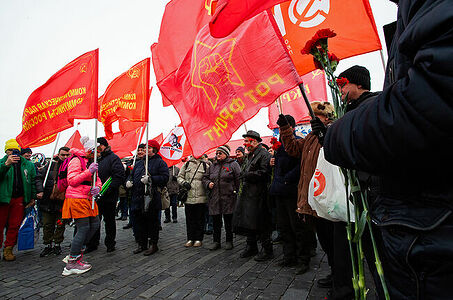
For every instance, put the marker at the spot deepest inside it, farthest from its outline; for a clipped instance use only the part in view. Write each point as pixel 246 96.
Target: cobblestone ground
pixel 174 272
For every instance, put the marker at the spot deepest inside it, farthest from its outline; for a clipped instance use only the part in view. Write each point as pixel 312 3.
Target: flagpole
pixel 95 176
pixel 310 110
pixel 138 144
pixel 146 159
pixel 51 160
pixel 279 105
pixel 245 127
pixel 383 59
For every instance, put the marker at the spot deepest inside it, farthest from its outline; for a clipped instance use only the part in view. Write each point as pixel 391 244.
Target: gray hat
pixel 253 134
pixel 225 149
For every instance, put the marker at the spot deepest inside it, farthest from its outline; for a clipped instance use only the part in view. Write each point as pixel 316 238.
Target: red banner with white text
pixel 222 83
pixel 69 94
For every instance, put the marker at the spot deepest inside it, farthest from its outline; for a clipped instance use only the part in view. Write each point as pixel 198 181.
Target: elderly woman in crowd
pixel 222 180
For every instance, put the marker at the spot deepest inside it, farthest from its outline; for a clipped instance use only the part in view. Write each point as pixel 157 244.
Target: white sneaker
pixel 66 259
pixel 76 266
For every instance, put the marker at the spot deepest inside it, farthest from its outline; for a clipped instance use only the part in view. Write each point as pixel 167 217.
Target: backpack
pixel 62 177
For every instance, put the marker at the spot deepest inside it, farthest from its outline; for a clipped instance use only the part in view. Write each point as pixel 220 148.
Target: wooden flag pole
pixel 95 175
pixel 51 160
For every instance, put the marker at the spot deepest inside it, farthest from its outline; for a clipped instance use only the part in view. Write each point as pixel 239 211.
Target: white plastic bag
pixel 327 192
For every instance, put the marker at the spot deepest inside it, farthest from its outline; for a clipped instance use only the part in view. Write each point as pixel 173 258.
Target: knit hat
pixel 154 144
pixel 358 75
pixel 323 108
pixel 25 150
pixel 291 121
pixel 11 144
pixel 240 148
pixel 225 149
pixel 88 144
pixel 103 141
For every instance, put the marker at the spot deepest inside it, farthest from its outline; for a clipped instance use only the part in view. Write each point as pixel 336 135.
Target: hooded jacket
pixel 28 174
pixel 79 177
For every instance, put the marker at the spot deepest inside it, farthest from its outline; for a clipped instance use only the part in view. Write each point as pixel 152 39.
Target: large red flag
pixel 126 125
pixel 74 141
pixel 351 20
pixel 229 14
pixel 123 144
pixel 175 146
pixel 127 96
pixel 293 103
pixel 180 24
pixel 44 141
pixel 224 82
pixel 69 94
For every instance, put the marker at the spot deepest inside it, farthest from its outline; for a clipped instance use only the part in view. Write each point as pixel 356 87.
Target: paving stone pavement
pixel 174 272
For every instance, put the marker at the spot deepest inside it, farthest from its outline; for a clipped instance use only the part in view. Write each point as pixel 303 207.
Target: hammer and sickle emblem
pixel 133 73
pixel 213 70
pixel 83 68
pixel 308 13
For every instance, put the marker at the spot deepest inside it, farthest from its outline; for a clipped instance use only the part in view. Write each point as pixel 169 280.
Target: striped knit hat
pixel 225 149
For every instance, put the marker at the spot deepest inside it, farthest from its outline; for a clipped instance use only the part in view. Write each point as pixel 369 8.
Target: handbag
pixel 183 192
pixel 28 232
pixel 327 192
pixel 57 194
pixel 164 196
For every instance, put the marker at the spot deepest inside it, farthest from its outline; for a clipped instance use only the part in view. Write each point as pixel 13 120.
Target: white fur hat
pixel 88 144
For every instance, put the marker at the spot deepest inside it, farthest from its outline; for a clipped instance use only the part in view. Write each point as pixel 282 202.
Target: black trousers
pixel 195 218
pixel 147 226
pixel 342 266
pixel 174 208
pixel 324 230
pixel 107 211
pixel 217 222
pixel 264 237
pixel 296 234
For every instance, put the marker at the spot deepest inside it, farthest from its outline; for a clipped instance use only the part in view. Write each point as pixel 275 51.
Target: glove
pixel 95 191
pixel 146 179
pixel 129 184
pixel 93 168
pixel 282 120
pixel 174 178
pixel 318 128
pixel 186 185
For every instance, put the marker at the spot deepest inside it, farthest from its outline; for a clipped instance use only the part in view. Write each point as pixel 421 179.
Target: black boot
pixel 47 251
pixel 250 250
pixel 153 249
pixel 265 254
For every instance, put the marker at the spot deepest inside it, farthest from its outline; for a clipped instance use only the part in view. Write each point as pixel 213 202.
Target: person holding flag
pixel 78 204
pixel 146 217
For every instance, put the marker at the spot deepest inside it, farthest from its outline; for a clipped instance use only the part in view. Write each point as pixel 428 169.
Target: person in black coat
pixel 252 215
pixel 402 136
pixel 110 166
pixel 51 203
pixel 147 218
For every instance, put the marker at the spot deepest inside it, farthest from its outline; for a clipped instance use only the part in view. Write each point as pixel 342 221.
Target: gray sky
pixel 39 37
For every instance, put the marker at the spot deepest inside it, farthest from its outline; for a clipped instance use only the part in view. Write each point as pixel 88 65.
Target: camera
pixel 16 152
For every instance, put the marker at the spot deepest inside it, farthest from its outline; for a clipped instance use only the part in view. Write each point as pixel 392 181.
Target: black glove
pixel 174 178
pixel 187 186
pixel 282 120
pixel 318 128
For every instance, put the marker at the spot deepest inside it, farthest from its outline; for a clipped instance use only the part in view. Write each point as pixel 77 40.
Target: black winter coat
pixel 46 204
pixel 403 135
pixel 110 165
pixel 225 176
pixel 158 171
pixel 252 210
pixel 286 174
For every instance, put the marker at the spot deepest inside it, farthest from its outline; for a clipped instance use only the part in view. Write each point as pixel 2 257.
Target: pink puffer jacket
pixel 77 176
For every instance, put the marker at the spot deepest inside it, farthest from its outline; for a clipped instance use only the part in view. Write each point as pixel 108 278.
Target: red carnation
pixel 275 143
pixel 341 81
pixel 318 40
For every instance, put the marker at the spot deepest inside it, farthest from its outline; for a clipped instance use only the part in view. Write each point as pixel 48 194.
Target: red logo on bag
pixel 319 183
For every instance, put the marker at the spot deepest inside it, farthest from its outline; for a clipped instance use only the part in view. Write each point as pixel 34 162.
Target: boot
pixel 214 246
pixel 228 245
pixel 153 249
pixel 325 282
pixel 46 251
pixel 8 254
pixel 266 253
pixel 57 249
pixel 250 250
pixel 139 249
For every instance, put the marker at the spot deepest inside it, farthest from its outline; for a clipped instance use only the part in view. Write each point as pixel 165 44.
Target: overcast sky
pixel 39 37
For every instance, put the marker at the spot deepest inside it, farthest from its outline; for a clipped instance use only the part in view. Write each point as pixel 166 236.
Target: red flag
pixel 222 83
pixel 293 103
pixel 126 125
pixel 123 145
pixel 159 138
pixel 69 94
pixel 45 141
pixel 175 146
pixel 74 141
pixel 180 24
pixel 229 14
pixel 127 96
pixel 351 20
